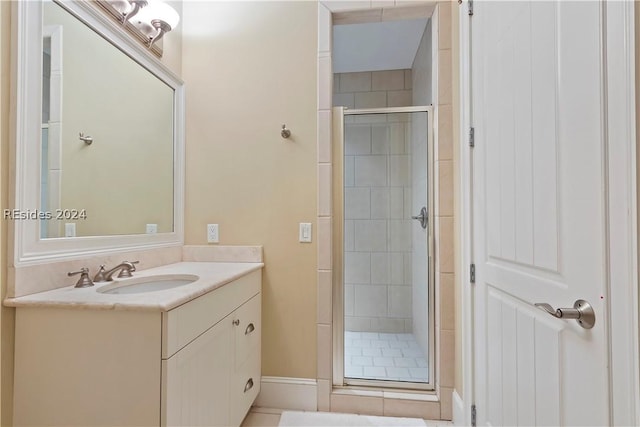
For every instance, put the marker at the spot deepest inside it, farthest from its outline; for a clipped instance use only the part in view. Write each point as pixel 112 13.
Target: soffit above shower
pixel 375 46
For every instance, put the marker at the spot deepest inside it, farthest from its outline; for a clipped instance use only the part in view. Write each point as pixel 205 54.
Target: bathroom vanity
pixel 188 355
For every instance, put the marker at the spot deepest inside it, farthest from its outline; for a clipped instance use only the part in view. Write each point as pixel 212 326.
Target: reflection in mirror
pixel 117 178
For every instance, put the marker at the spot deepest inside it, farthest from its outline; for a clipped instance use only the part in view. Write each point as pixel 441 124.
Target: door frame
pixel 621 291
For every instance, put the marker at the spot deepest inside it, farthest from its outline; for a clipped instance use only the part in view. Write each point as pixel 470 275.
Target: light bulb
pixel 155 20
pixel 160 11
pixel 166 13
pixel 122 6
pixel 144 14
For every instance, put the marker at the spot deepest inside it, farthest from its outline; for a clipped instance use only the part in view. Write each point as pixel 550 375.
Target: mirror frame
pixel 26 87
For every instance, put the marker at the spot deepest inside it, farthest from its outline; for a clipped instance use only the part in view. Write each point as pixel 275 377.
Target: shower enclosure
pixel 383 182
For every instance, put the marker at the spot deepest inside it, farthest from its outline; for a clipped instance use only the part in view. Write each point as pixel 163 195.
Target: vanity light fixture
pixel 127 9
pixel 136 5
pixel 153 18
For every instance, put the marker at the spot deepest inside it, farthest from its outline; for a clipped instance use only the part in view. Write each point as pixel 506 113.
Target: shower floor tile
pixel 382 356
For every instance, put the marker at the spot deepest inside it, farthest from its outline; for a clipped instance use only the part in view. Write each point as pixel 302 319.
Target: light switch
pixel 305 232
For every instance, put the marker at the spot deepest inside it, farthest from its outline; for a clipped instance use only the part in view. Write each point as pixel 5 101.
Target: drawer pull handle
pixel 249 385
pixel 236 322
pixel 250 328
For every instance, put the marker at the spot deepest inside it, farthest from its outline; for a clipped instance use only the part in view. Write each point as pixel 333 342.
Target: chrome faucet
pixel 125 269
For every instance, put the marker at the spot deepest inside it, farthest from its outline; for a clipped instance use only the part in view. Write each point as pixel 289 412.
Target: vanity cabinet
pixel 223 393
pixel 195 365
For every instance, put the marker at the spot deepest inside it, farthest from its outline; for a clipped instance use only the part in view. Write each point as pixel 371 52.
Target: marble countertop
pixel 212 275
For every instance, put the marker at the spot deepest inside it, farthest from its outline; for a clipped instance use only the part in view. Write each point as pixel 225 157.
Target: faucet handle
pixel 100 276
pixel 84 281
pixel 130 267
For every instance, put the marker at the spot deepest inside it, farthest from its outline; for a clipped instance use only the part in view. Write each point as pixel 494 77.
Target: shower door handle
pixel 423 217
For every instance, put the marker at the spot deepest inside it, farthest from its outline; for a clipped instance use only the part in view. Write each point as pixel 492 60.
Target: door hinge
pixel 472 137
pixel 473 415
pixel 470 6
pixel 472 273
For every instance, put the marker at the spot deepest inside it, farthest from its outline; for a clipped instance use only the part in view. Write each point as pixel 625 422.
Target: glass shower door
pixel 386 260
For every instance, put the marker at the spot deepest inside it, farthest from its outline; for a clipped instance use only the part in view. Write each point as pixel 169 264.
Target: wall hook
pixel 86 139
pixel 286 133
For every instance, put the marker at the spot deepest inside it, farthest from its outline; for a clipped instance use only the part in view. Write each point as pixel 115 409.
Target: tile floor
pixel 383 356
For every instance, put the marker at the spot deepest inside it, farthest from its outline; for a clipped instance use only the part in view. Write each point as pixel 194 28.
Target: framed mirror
pixel 99 137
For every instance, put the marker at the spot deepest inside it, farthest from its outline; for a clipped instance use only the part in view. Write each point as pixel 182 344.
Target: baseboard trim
pixel 288 393
pixel 458 409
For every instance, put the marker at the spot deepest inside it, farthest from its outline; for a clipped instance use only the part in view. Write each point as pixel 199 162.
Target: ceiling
pixel 376 46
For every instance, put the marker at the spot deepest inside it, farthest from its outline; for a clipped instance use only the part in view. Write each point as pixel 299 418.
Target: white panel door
pixel 539 211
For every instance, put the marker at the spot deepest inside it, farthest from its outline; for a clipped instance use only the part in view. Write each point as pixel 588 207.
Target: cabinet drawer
pixel 248 329
pixel 245 386
pixel 183 324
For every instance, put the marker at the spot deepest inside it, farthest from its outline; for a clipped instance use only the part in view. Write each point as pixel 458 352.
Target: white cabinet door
pixel 196 380
pixel 247 330
pixel 539 211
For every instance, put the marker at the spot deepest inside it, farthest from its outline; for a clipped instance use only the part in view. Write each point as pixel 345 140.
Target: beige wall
pixel 249 68
pixel 7 315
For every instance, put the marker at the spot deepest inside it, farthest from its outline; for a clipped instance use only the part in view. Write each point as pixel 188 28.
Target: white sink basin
pixel 148 284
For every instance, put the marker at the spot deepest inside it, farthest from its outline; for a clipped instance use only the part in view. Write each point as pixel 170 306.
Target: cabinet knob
pixel 249 385
pixel 236 322
pixel 250 328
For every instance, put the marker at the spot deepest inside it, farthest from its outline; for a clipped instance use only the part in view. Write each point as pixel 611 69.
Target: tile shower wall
pixel 377 194
pixel 373 89
pixel 377 203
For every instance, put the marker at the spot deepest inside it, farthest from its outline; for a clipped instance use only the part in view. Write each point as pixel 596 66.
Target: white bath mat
pixel 328 419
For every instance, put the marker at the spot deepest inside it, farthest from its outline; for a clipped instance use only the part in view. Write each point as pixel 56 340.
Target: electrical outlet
pixel 152 228
pixel 305 232
pixel 212 233
pixel 70 229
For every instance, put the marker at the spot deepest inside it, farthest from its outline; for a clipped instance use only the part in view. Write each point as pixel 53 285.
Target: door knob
pixel 582 312
pixel 423 217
